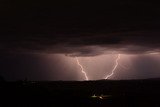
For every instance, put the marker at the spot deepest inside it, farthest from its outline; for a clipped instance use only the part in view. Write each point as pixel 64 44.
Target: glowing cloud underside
pixel 82 69
pixel 116 65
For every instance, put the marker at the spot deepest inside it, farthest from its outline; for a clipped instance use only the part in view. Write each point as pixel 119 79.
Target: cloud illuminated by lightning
pixel 116 65
pixel 82 69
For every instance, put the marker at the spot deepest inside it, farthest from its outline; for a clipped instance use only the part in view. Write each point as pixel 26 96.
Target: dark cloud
pixel 79 28
pixel 124 42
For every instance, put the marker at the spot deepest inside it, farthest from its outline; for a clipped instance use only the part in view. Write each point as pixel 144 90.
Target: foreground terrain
pixel 103 93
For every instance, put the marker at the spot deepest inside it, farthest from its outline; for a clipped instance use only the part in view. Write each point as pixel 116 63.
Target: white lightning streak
pixel 112 72
pixel 82 69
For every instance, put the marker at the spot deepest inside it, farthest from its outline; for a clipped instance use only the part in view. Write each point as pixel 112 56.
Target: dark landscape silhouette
pixel 123 93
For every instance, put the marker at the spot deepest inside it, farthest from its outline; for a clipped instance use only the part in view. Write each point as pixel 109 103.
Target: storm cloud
pixel 79 28
pixel 130 42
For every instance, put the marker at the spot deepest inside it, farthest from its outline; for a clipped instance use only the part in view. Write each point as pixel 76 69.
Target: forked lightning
pixel 82 69
pixel 108 76
pixel 116 65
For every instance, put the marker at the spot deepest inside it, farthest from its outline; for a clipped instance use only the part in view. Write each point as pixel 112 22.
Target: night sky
pixel 40 40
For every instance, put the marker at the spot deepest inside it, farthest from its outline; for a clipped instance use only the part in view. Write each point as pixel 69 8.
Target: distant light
pixel 101 96
pixel 94 96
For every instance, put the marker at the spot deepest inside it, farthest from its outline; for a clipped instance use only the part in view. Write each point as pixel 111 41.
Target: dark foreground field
pixel 135 93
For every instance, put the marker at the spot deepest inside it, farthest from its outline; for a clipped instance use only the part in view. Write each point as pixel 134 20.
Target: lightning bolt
pixel 82 69
pixel 116 65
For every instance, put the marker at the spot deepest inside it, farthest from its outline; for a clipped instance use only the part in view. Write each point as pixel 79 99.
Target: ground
pixel 131 93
